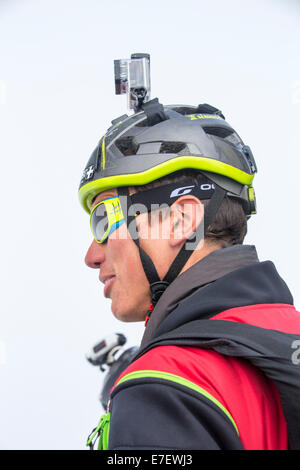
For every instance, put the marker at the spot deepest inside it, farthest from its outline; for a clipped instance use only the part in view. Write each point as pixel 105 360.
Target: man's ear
pixel 186 215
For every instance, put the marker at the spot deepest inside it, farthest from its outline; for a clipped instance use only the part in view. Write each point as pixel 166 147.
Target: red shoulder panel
pixel 248 395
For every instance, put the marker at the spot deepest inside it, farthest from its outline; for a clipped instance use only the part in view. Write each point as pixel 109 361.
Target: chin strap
pixel 157 285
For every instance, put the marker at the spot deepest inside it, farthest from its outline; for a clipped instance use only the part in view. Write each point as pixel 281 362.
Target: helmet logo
pixel 207 187
pixel 181 191
pixel 88 173
pixel 188 189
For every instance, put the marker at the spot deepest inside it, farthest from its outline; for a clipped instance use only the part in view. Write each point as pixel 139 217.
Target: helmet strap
pixel 157 285
pixel 185 253
pixel 147 263
pixel 213 206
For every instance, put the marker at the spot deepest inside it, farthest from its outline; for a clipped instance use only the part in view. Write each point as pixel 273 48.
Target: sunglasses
pixel 105 218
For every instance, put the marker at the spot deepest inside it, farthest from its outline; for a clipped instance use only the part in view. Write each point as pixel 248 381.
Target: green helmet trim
pixel 91 189
pixel 103 152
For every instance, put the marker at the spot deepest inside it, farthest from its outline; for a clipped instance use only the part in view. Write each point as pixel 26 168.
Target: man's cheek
pixel 121 233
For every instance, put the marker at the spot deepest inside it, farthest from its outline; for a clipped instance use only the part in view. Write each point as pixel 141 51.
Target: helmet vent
pixel 218 131
pixel 172 147
pixel 126 145
pixel 224 133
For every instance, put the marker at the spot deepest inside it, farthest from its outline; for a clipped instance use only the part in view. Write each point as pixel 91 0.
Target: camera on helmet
pixel 132 76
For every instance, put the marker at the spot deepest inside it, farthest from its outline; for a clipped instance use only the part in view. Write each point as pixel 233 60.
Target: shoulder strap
pixel 276 353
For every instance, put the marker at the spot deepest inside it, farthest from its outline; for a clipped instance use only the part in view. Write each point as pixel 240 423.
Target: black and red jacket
pixel 220 367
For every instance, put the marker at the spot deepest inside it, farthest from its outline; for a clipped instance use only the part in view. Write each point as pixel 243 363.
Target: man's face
pixel 120 270
pixel 118 259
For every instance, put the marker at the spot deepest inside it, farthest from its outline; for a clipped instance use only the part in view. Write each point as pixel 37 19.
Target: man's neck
pixel 199 254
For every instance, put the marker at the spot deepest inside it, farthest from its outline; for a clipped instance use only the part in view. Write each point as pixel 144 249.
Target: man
pixel 215 367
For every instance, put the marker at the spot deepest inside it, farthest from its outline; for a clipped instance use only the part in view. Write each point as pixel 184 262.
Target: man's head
pixel 161 234
pixel 187 157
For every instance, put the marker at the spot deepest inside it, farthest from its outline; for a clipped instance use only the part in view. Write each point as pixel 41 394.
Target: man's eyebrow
pixel 106 197
pixel 94 199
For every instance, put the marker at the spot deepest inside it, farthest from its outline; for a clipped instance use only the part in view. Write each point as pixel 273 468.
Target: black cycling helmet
pixel 159 140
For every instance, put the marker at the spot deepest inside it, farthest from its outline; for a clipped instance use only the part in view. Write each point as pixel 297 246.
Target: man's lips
pixel 107 280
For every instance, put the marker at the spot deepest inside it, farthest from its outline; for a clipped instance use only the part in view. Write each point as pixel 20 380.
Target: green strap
pixel 142 374
pixel 101 432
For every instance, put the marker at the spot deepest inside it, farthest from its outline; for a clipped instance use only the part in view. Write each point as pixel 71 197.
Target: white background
pixel 56 100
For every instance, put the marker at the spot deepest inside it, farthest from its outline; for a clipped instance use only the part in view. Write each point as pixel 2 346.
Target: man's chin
pixel 127 315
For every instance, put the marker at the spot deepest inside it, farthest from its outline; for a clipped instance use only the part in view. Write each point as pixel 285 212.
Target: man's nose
pixel 95 255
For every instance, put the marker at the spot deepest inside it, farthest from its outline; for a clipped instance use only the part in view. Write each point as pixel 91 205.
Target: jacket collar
pixel 214 266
